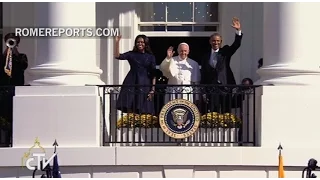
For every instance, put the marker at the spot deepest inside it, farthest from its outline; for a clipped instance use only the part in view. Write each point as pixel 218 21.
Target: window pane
pixel 205 28
pixel 152 11
pixel 206 11
pixel 152 28
pixel 179 12
pixel 179 28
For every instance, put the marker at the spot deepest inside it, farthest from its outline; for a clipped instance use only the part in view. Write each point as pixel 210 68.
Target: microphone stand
pixel 47 169
pixel 34 172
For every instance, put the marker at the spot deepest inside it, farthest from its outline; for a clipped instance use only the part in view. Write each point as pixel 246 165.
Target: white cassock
pixel 181 71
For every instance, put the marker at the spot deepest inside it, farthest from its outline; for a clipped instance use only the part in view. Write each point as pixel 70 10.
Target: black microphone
pixel 312 164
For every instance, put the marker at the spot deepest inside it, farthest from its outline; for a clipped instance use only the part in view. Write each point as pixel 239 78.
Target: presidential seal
pixel 179 118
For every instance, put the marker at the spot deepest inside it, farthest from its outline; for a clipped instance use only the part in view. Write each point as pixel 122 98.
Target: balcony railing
pixel 227 115
pixel 6 109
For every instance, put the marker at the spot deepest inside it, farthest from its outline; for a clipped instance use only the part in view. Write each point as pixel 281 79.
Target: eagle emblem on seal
pixel 180 118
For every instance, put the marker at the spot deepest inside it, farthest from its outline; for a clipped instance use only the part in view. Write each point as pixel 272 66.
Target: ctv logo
pixel 37 159
pixel 41 161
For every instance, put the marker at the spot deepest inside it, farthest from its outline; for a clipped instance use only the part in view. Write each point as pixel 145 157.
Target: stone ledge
pixel 67 156
pixel 137 156
pixel 243 156
pixel 56 91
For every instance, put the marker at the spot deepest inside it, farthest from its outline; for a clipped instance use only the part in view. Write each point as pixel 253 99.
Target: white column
pixel 65 61
pixel 291 44
pixel 291 62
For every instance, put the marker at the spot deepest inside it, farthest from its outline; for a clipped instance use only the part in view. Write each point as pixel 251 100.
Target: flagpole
pixel 280 166
pixel 55 168
pixel 55 144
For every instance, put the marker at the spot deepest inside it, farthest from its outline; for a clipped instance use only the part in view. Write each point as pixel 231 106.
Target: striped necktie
pixel 213 59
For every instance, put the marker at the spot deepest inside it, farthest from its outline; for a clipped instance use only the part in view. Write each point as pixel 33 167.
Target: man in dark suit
pixel 14 74
pixel 215 70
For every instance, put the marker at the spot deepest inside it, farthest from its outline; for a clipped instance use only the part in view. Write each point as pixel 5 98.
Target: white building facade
pixel 59 106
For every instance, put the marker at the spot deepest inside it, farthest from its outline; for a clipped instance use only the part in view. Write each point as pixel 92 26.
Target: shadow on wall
pixel 107 16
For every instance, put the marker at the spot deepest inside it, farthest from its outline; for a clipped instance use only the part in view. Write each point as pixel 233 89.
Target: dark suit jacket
pixel 222 73
pixel 19 65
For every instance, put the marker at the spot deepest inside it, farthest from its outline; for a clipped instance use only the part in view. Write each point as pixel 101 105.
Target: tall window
pixel 179 16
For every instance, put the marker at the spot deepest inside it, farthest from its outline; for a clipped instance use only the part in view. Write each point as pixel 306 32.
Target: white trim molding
pixel 177 34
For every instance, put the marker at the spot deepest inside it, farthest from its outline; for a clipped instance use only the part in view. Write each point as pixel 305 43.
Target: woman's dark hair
pixel 12 35
pixel 247 79
pixel 147 48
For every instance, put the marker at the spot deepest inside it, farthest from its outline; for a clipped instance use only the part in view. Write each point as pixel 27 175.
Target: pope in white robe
pixel 181 70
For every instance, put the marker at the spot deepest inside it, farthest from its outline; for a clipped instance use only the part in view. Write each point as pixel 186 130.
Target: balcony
pixel 232 123
pixel 57 110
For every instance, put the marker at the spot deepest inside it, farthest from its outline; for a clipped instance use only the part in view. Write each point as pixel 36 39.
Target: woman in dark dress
pixel 134 98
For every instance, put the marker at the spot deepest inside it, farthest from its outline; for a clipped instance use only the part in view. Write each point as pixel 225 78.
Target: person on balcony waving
pixel 136 95
pixel 181 70
pixel 216 71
